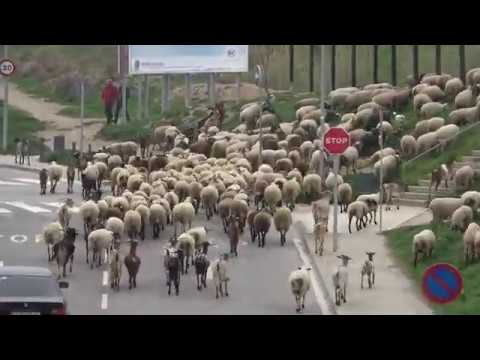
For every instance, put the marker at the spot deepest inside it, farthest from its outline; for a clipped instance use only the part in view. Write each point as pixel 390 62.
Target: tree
pixel 262 55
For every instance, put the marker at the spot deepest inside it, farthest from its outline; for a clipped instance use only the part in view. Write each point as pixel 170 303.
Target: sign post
pixel 380 139
pixel 82 113
pixel 7 68
pixel 260 77
pixel 322 107
pixel 336 141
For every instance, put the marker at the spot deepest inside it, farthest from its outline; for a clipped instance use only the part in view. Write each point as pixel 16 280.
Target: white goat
pixel 340 280
pixel 368 269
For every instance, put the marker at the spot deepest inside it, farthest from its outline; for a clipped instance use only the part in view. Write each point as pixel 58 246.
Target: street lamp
pixel 260 80
pixel 380 140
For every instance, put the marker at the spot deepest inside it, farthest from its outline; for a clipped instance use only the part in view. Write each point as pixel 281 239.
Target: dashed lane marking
pixel 74 210
pixel 105 278
pixel 30 208
pixel 30 181
pixel 11 183
pixel 5 211
pixel 104 304
pixel 1 263
pixel 38 238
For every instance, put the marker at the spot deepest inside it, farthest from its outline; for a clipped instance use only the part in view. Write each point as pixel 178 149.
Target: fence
pixel 430 159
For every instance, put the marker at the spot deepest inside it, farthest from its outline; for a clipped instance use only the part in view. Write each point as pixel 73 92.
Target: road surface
pixel 259 283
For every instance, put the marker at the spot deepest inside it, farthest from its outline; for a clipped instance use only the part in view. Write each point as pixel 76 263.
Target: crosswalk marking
pixel 11 183
pixel 38 238
pixel 74 210
pixel 5 211
pixel 26 180
pixel 23 206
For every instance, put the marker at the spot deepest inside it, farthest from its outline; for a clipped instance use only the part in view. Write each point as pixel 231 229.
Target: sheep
pixel 426 142
pixel 389 164
pixel 408 146
pixel 312 184
pixel 464 177
pixel 452 88
pixel 55 173
pixel 186 244
pixel 331 183
pixel 372 201
pixel 432 109
pixel 103 208
pixel 220 275
pixel 115 270
pixel 423 242
pixel 116 226
pixel 89 212
pixel 284 165
pixel 121 203
pixel 316 158
pixel 469 238
pixel 420 100
pixel 464 99
pixel 183 213
pixel 349 159
pixel 319 232
pixel 102 173
pixel 64 214
pixel 209 196
pixel 290 191
pixel 114 161
pixel 134 182
pixel 391 191
pixel 272 196
pixel 461 218
pixel 300 283
pixel 262 222
pixel 443 208
pixel 386 128
pixel 386 152
pixel 199 235
pixel 239 209
pixel 321 208
pixel 434 92
pixel 158 219
pixel 250 115
pixel 465 116
pixel 358 98
pixel 472 199
pixel 360 210
pixel 435 123
pixel 282 220
pixel 52 234
pixel 345 193
pixel 144 212
pixel 133 224
pixel 304 110
pixel 99 241
pixel 340 280
pixel 368 269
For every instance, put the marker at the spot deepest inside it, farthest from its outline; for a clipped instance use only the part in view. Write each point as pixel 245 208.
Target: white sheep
pixel 464 177
pixel 331 182
pixel 461 218
pixel 453 87
pixel 52 234
pixel 408 145
pixel 372 201
pixel 55 173
pixel 345 194
pixel 99 242
pixel 435 123
pixel 300 283
pixel 464 116
pixel 144 212
pixel 183 213
pixel 464 99
pixel 443 208
pixel 158 219
pixel 340 280
pixel 186 243
pixel 389 164
pixel 209 196
pixel 377 155
pixel 349 159
pixel 116 226
pixel 432 109
pixel 423 242
pixel 272 196
pixel 199 234
pixel 133 224
pixel 282 220
pixel 426 142
pixel 89 212
pixel 472 199
pixel 220 275
pixel 114 161
pixel 312 184
pixel 359 210
pixel 290 191
pixel 469 241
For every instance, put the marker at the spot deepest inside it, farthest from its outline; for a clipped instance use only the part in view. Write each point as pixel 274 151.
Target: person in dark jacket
pixel 109 97
pixel 119 102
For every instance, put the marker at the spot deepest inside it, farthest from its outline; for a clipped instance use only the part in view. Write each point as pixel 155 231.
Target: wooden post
pixel 461 50
pixel 354 65
pixel 312 84
pixel 415 62
pixel 332 66
pixel 394 65
pixel 292 63
pixel 438 59
pixel 375 64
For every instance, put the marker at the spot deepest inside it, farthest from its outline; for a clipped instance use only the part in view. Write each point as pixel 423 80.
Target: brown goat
pixel 234 234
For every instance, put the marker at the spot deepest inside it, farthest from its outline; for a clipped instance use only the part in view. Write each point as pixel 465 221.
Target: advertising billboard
pixel 187 59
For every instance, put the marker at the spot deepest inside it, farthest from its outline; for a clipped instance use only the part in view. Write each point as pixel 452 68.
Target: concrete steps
pixel 426 183
pixel 476 153
pixel 474 165
pixel 412 202
pixel 424 189
pixel 471 158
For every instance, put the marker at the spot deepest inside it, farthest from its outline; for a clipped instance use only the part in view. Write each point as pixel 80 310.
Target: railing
pixel 452 142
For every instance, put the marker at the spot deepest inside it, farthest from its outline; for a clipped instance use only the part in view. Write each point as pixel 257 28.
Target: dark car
pixel 30 291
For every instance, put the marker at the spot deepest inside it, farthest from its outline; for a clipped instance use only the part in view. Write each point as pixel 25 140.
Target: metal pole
pixel 354 65
pixel 311 68
pixel 375 64
pixel 323 75
pixel 238 80
pixel 380 139
pixel 188 90
pixel 461 51
pixel 140 106
pixel 146 103
pixel 333 66
pixel 292 59
pixel 119 70
pixel 336 163
pixel 5 104
pixel 82 113
pixel 211 88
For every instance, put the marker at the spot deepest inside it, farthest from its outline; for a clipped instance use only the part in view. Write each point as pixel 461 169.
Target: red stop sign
pixel 336 141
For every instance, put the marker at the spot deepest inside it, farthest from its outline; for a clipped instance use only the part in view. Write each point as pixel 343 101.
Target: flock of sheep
pixel 219 172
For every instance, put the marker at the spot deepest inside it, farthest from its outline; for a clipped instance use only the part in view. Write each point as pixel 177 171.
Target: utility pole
pixel 380 139
pixel 82 113
pixel 5 103
pixel 322 106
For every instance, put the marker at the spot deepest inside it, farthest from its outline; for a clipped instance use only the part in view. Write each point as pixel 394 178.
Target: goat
pixel 70 178
pixel 64 250
pixel 173 266
pixel 43 175
pixel 319 231
pixel 368 269
pixel 220 277
pixel 115 270
pixel 234 234
pixel 340 280
pixel 201 263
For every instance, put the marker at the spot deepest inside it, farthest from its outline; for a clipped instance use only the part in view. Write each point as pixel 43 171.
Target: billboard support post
pixel 211 88
pixel 165 93
pixel 140 106
pixel 146 102
pixel 238 80
pixel 188 90
pixel 5 103
pixel 82 113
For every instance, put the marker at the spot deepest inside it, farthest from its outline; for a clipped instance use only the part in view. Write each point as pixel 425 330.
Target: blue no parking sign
pixel 442 283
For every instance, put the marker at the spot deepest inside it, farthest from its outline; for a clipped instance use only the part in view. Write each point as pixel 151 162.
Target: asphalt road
pixel 258 284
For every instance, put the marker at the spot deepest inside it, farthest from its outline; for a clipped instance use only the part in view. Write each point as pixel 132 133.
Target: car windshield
pixel 28 286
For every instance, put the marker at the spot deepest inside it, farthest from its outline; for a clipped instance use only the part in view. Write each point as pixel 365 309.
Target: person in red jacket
pixel 109 97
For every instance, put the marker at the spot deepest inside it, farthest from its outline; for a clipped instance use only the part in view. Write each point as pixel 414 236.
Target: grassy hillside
pixel 449 249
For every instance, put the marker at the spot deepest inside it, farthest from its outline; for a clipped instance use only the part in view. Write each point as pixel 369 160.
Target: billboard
pixel 187 59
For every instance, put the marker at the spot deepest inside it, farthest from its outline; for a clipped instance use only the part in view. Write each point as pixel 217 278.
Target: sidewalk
pixel 8 161
pixel 394 293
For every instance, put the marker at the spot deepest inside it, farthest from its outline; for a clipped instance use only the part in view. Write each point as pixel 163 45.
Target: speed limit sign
pixel 7 67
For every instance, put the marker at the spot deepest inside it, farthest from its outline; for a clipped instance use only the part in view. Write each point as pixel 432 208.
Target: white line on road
pixel 23 206
pixel 26 180
pixel 319 295
pixel 38 238
pixel 104 304
pixel 1 263
pixel 5 211
pixel 10 183
pixel 73 210
pixel 105 278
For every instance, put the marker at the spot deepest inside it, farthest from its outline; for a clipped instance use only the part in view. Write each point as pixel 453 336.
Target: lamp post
pixel 260 79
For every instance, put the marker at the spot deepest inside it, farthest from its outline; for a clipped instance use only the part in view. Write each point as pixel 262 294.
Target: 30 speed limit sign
pixel 7 67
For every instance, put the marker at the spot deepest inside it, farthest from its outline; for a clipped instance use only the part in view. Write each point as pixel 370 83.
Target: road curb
pixel 301 231
pixel 19 167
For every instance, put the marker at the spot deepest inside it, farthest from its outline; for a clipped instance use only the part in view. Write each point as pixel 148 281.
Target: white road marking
pixel 209 273
pixel 243 243
pixel 1 263
pixel 30 181
pixel 104 304
pixel 10 183
pixel 319 295
pixel 38 238
pixel 105 278
pixel 19 239
pixel 5 211
pixel 23 206
pixel 73 210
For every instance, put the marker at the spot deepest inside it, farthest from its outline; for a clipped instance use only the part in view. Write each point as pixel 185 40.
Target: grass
pixel 448 249
pixel 21 125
